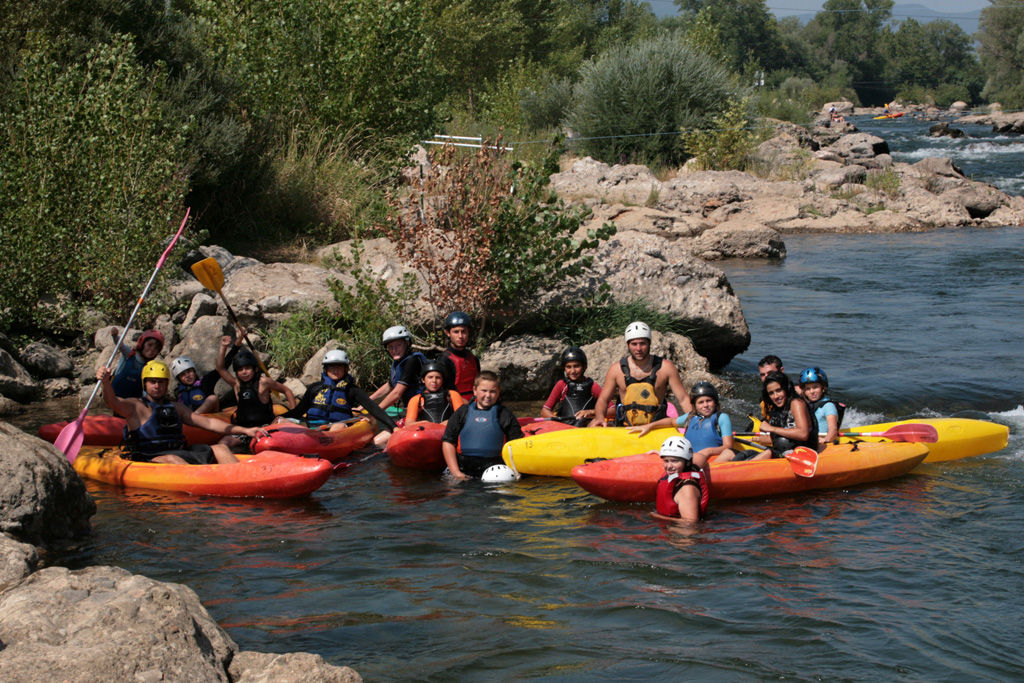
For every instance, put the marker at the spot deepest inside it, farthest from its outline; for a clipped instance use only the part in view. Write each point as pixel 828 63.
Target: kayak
pixel 895 115
pixel 108 430
pixel 417 446
pixel 554 454
pixel 958 437
pixel 634 478
pixel 299 440
pixel 268 475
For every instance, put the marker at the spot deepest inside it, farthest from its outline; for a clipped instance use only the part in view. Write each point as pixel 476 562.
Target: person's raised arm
pixel 274 385
pixel 120 406
pixel 222 369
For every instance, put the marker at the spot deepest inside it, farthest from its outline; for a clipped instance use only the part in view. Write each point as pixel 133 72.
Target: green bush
pixel 600 319
pixel 727 146
pixel 293 341
pixel 633 101
pixel 547 106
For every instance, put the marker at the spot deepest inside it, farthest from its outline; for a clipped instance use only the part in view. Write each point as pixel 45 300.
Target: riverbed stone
pixel 55 387
pixel 9 407
pixel 202 341
pixel 271 292
pixel 860 146
pixel 619 184
pixel 17 560
pixel 739 239
pixel 295 667
pixel 45 361
pixel 202 305
pixel 6 345
pixel 15 382
pixel 41 497
pixel 527 364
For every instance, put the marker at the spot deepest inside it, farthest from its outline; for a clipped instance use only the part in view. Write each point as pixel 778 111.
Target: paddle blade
pixel 209 273
pixel 70 439
pixel 803 460
pixel 917 433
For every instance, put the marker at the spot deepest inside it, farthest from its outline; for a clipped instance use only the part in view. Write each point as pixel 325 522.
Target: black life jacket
pixel 840 409
pixel 436 406
pixel 160 433
pixel 578 395
pixel 783 418
pixel 251 411
pixel 331 403
pixel 640 405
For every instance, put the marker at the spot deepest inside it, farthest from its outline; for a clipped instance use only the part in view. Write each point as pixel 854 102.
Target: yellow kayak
pixel 554 454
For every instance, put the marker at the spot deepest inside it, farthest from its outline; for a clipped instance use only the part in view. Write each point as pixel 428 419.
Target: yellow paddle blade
pixel 209 273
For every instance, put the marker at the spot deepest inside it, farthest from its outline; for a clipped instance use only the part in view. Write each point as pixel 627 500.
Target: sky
pixel 782 8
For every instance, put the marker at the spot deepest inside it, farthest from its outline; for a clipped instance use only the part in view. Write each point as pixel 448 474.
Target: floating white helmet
pixel 638 330
pixel 335 357
pixel 395 333
pixel 498 473
pixel 180 365
pixel 676 447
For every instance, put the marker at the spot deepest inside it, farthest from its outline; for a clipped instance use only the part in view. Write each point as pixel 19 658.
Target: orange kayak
pixel 268 475
pixel 332 446
pixel 634 478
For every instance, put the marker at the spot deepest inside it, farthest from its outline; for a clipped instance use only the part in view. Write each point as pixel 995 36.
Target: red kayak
pixel 332 446
pixel 634 478
pixel 417 446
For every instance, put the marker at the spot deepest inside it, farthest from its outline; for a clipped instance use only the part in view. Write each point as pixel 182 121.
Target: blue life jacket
pixel 160 433
pixel 331 403
pixel 192 395
pixel 127 379
pixel 481 436
pixel 703 432
pixel 396 374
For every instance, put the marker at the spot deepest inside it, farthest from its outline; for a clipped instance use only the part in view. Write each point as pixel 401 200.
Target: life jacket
pixel 703 432
pixel 192 395
pixel 481 436
pixel 640 405
pixel 127 380
pixel 840 409
pixel 669 485
pixel 783 418
pixel 578 395
pixel 251 411
pixel 331 402
pixel 436 406
pixel 396 374
pixel 160 433
pixel 467 367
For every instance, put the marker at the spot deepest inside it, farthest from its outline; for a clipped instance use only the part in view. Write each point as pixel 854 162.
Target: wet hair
pixel 487 376
pixel 770 360
pixel 784 381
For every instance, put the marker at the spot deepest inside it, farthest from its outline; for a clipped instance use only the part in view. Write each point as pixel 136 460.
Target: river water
pixel 406 577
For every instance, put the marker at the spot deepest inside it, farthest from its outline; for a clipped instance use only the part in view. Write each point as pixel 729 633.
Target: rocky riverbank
pixel 103 623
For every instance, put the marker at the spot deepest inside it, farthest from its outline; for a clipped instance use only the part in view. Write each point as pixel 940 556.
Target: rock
pixel 202 342
pixel 527 364
pixel 273 291
pixel 860 146
pixel 938 174
pixel 165 326
pixel 15 382
pixel 959 106
pixel 623 184
pixel 57 387
pixel 942 128
pixel 6 345
pixel 202 305
pixel 300 667
pixel 313 369
pixel 41 497
pixel 184 290
pixel 826 180
pixel 978 199
pixel 9 407
pixel 737 239
pixel 677 348
pixel 45 361
pixel 17 560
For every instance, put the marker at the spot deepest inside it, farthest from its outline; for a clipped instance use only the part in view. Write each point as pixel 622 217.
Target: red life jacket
pixel 668 487
pixel 467 367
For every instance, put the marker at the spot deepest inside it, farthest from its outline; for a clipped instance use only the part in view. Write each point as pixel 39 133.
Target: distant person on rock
pixel 574 395
pixel 252 390
pixel 127 379
pixel 641 381
pixel 459 364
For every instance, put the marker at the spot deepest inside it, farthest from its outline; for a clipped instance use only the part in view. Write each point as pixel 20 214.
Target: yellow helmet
pixel 154 369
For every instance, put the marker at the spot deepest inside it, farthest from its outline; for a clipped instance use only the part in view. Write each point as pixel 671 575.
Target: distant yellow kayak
pixel 890 116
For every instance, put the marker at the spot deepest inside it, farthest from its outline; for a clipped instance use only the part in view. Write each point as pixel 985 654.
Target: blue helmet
pixel 814 375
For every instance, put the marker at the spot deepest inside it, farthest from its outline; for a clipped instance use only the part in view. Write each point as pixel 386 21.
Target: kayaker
pixel 766 365
pixel 460 365
pixel 127 379
pixel 252 389
pixel 154 424
pixel 332 400
pixel 790 420
pixel 198 394
pixel 641 381
pixel 406 367
pixel 437 403
pixel 828 413
pixel 575 395
pixel 708 429
pixel 886 110
pixel 477 431
pixel 683 492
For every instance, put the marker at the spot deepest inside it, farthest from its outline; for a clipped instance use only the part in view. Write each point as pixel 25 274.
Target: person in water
pixel 154 423
pixel 198 394
pixel 406 369
pixel 708 429
pixel 458 362
pixel 684 491
pixel 575 395
pixel 641 381
pixel 330 401
pixel 477 431
pixel 828 413
pixel 437 403
pixel 252 389
pixel 127 379
pixel 790 420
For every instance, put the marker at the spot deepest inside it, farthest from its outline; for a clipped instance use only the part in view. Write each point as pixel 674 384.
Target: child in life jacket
pixel 127 379
pixel 406 369
pixel 683 493
pixel 458 362
pixel 575 395
pixel 708 430
pixel 252 389
pixel 475 434
pixel 198 394
pixel 828 413
pixel 437 403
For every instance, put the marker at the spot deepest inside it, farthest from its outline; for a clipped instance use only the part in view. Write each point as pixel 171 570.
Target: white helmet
pixel 496 474
pixel 180 365
pixel 676 447
pixel 335 357
pixel 638 330
pixel 395 333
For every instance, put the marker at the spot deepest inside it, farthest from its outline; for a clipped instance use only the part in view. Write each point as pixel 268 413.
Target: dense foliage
pixel 1001 33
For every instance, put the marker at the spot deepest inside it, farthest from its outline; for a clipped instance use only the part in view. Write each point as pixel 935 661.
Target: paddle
pixel 70 439
pixel 914 432
pixel 803 460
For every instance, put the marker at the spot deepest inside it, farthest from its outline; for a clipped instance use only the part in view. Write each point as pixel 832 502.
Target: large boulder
pixel 276 290
pixel 622 184
pixel 202 341
pixel 202 305
pixel 45 361
pixel 9 407
pixel 739 239
pixel 293 667
pixel 860 146
pixel 41 497
pixel 15 382
pixel 17 560
pixel 527 364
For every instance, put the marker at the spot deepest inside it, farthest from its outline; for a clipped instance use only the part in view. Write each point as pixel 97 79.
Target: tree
pixel 1001 50
pixel 931 55
pixel 745 28
pixel 845 34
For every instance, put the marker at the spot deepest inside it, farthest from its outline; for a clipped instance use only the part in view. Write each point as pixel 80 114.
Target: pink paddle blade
pixel 70 439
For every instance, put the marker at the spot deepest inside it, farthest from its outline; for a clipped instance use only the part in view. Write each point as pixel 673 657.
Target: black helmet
pixel 457 318
pixel 703 389
pixel 245 358
pixel 574 353
pixel 432 366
